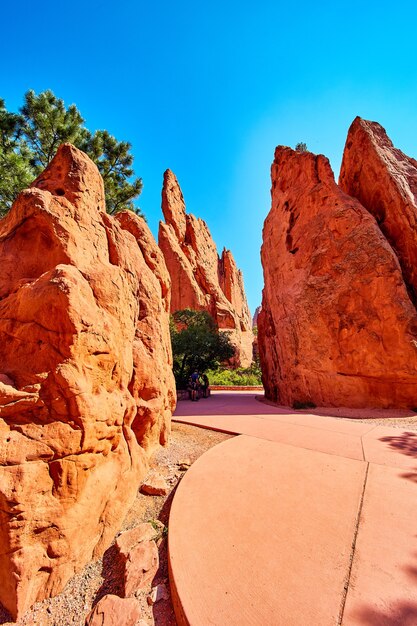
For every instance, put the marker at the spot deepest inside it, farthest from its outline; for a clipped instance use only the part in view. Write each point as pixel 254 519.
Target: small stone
pixel 155 485
pixel 162 593
pixel 126 541
pixel 151 599
pixel 114 611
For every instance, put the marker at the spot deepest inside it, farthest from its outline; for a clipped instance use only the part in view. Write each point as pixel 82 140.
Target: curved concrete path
pixel 302 520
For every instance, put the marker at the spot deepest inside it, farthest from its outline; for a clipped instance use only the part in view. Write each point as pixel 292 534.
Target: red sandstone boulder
pixel 152 384
pixel 337 326
pixel 114 611
pixel 70 464
pixel 127 540
pixel 200 279
pixel 137 555
pixel 140 567
pixel 384 180
pixel 154 485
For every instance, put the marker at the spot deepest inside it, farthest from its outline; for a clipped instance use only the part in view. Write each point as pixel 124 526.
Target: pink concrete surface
pixel 265 529
pixel 383 585
pixel 261 533
pixel 279 430
pixel 396 447
pixel 241 413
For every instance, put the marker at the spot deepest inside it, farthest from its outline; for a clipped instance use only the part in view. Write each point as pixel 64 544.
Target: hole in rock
pixel 60 192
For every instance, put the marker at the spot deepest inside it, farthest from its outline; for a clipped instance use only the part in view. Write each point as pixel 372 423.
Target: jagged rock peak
pixel 256 315
pixel 337 326
pixel 71 174
pixel 200 279
pixel 173 205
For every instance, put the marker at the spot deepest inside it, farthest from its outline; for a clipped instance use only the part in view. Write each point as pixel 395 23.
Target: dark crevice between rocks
pixel 379 214
pixel 291 223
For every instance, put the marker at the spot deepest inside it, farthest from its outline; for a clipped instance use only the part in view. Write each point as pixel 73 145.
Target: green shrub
pixel 241 377
pixel 298 405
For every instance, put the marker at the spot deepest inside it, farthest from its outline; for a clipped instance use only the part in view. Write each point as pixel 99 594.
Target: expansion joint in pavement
pixel 353 549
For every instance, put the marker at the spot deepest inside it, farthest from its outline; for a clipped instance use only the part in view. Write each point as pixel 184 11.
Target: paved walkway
pixel 302 520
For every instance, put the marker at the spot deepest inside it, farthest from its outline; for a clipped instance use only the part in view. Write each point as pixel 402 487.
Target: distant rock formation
pixel 200 279
pixel 76 342
pixel 255 316
pixel 337 326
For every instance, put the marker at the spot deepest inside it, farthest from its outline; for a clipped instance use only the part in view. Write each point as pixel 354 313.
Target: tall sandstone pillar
pixel 338 325
pixel 200 279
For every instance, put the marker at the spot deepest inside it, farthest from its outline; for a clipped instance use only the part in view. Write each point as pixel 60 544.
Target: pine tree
pixel 29 140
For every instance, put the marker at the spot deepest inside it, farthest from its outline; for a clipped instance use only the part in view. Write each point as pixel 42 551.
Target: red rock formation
pixel 384 180
pixel 337 326
pixel 69 309
pixel 200 279
pixel 255 316
pixel 153 383
pixel 114 611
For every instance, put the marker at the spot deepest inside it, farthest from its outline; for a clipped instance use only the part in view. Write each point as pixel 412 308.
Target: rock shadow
pixel 112 573
pixel 401 614
pixel 163 612
pixel 5 616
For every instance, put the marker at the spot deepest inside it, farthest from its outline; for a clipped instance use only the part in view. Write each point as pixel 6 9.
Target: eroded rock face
pixel 69 311
pixel 337 326
pixel 384 180
pixel 152 384
pixel 200 279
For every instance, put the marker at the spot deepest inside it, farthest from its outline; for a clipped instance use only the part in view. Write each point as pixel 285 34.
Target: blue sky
pixel 209 90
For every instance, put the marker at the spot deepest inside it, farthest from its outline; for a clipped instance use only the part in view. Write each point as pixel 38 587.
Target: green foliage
pixel 197 344
pixel 29 140
pixel 15 169
pixel 241 377
pixel 299 405
pixel 301 147
pixel 114 162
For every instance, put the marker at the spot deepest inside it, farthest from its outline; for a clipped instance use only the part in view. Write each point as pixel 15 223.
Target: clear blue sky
pixel 209 89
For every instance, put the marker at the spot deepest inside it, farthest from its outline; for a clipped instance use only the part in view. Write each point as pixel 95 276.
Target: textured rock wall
pixel 70 325
pixel 384 180
pixel 152 384
pixel 200 279
pixel 337 325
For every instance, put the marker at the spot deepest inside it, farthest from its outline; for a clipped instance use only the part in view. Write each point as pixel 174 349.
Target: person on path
pixel 195 385
pixel 205 386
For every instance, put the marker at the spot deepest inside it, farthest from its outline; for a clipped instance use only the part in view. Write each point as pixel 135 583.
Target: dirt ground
pixel 97 579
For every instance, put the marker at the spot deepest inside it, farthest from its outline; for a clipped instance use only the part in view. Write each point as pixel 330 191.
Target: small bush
pixel 299 405
pixel 301 147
